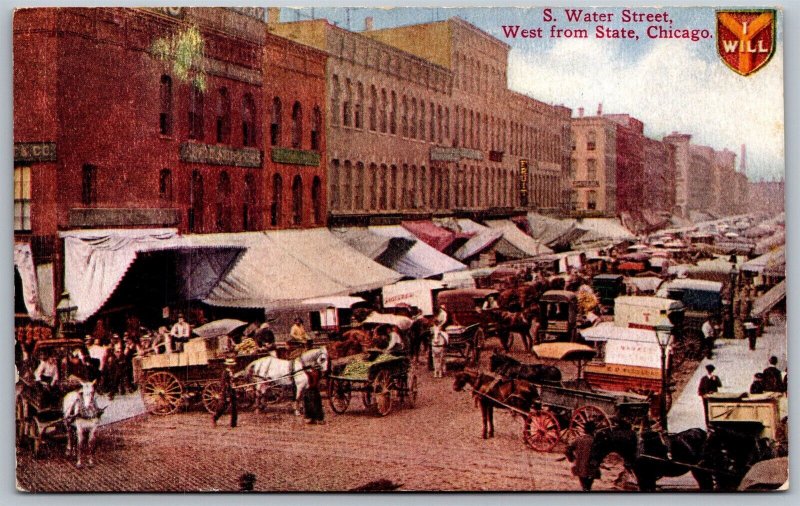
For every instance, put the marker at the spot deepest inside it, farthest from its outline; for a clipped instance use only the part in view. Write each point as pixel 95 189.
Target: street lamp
pixel 730 330
pixel 663 337
pixel 65 312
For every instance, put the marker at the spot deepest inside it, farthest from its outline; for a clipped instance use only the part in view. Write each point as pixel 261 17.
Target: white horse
pixel 82 416
pixel 271 372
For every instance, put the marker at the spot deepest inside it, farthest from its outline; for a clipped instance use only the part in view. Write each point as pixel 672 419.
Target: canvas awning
pixel 772 263
pixel 553 232
pixel 284 267
pixel 769 300
pixel 515 243
pixel 37 284
pixel 420 260
pixel 96 261
pixel 434 235
pixel 480 239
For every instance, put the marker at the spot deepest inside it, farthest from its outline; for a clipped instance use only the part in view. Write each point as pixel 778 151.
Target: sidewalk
pixel 735 365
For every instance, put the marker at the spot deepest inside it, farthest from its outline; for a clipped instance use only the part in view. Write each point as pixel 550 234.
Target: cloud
pixel 670 87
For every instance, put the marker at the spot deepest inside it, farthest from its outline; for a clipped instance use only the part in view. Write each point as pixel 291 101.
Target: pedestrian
pixel 751 331
pixel 773 379
pixel 395 341
pixel 227 394
pixel 180 333
pixel 708 331
pixel 757 386
pixel 438 343
pixel 710 383
pixel 579 453
pixel 312 400
pixel 99 356
pixel 440 316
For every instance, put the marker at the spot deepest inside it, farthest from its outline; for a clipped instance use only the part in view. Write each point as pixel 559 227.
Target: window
pixel 591 169
pixel 413 126
pixel 297 125
pixel 223 116
pixel 591 140
pixel 248 120
pixel 22 199
pixel 195 113
pixel 393 115
pixel 277 200
pixel 446 123
pixel 165 184
pixel 373 108
pixel 275 124
pixel 165 117
pixel 89 189
pixel 591 200
pixel 224 203
pixel 404 117
pixel 196 202
pixel 297 200
pixel 316 200
pixel 422 120
pixel 249 216
pixel 358 187
pixel 316 128
pixel 384 107
pixel 347 113
pixel 336 93
pixel 393 188
pixel 432 130
pixel 384 184
pixel 347 185
pixel 359 108
pixel 374 186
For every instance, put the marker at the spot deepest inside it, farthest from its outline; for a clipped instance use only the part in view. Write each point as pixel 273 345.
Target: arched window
pixel 358 187
pixel 591 140
pixel 359 109
pixel 195 113
pixel 422 120
pixel 347 185
pixel 347 113
pixel 374 187
pixel 403 188
pixel 384 184
pixel 336 96
pixel 591 200
pixel 276 204
pixel 423 187
pixel 196 202
pixel 165 184
pixel 373 108
pixel 393 188
pixel 224 203
pixel 393 115
pixel 404 117
pixel 316 200
pixel 432 130
pixel 165 117
pixel 412 188
pixel 275 123
pixel 333 184
pixel 89 189
pixel 316 128
pixel 249 212
pixel 22 199
pixel 446 122
pixel 297 200
pixel 413 126
pixel 297 125
pixel 384 107
pixel 223 116
pixel 248 120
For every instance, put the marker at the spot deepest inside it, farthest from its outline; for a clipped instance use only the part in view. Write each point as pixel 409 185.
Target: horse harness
pixel 85 412
pixel 485 389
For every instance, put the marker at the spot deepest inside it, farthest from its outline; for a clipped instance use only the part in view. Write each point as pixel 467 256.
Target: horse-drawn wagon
pixel 377 376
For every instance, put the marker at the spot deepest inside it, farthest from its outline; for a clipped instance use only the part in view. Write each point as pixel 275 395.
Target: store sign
pixel 295 157
pixel 34 151
pixel 585 184
pixel 523 182
pixel 193 152
pixel 633 353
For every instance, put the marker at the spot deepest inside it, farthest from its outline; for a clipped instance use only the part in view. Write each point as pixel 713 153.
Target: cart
pixel 562 410
pixel 377 376
pixel 39 417
pixel 465 344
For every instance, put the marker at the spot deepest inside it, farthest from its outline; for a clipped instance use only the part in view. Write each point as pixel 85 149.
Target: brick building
pixel 594 166
pixel 105 136
pixel 420 122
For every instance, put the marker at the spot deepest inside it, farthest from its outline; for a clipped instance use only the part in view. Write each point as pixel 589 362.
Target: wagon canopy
pixel 218 327
pixel 402 322
pixel 564 351
pixel 769 474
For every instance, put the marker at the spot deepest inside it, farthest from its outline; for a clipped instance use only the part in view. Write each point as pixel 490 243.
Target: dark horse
pixel 535 373
pixel 489 388
pixel 508 323
pixel 731 453
pixel 419 336
pixel 654 456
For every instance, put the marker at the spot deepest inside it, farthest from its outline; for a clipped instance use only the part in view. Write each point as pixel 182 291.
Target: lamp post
pixel 663 337
pixel 65 312
pixel 730 331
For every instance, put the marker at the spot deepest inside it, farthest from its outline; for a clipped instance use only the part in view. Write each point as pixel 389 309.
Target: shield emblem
pixel 746 39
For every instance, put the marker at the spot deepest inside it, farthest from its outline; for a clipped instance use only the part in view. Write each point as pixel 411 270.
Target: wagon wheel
pixel 339 394
pixel 382 391
pixel 162 393
pixel 579 418
pixel 212 396
pixel 411 395
pixel 245 396
pixel 21 418
pixel 37 438
pixel 478 341
pixel 367 399
pixel 541 432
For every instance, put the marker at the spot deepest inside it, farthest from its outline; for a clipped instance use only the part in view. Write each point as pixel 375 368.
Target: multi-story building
pixel 107 136
pixel 682 159
pixel 594 166
pixel 631 154
pixel 420 122
pixel 766 196
pixel 724 168
pixel 658 190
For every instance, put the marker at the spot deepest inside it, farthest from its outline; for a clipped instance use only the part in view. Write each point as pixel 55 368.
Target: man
pixel 710 383
pixel 180 332
pixel 579 453
pixel 708 338
pixel 47 376
pixel 773 379
pixel 312 400
pixel 490 303
pixel 757 387
pixel 395 341
pixel 228 395
pixel 265 337
pixel 439 341
pixel 99 355
pixel 440 316
pixel 298 332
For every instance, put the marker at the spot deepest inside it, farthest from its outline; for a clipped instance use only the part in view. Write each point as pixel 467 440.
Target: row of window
pixel 473 76
pixel 276 206
pixel 545 190
pixel 590 202
pixel 591 141
pixel 297 141
pixel 591 171
pixel 356 187
pixel 196 115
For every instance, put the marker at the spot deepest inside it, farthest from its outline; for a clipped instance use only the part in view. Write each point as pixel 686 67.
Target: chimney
pixel 600 109
pixel 743 161
pixel 580 112
pixel 368 23
pixel 273 15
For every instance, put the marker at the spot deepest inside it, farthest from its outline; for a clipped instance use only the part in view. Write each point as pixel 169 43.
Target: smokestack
pixel 743 161
pixel 600 109
pixel 273 16
pixel 368 23
pixel 580 112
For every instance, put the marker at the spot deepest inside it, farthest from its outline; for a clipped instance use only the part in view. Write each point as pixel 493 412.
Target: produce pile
pixel 247 347
pixel 359 367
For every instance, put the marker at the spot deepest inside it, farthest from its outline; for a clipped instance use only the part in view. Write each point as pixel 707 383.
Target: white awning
pixel 774 261
pixel 419 261
pixel 607 331
pixel 338 301
pixel 35 290
pixel 769 300
pixel 516 243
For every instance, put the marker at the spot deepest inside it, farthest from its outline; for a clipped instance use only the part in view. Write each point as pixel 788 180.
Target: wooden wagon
pixel 758 415
pixel 378 377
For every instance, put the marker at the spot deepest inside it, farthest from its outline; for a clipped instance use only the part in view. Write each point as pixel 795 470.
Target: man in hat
pixel 227 394
pixel 298 333
pixel 757 386
pixel 710 383
pixel 265 337
pixel 773 379
pixel 579 453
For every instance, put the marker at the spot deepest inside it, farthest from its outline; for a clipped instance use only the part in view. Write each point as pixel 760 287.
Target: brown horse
pixel 490 391
pixel 419 336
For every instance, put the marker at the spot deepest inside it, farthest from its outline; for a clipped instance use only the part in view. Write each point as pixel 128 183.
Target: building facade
pixel 420 123
pixel 594 167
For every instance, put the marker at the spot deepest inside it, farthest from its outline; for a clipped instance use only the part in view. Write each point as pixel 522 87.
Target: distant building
pixel 767 196
pixel 594 171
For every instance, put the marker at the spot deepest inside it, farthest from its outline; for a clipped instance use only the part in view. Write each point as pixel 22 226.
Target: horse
pixel 732 453
pixel 534 373
pixel 510 322
pixel 652 456
pixel 272 372
pixel 81 418
pixel 488 389
pixel 419 336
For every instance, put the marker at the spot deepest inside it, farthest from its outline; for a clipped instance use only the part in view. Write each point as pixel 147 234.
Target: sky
pixel 669 84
